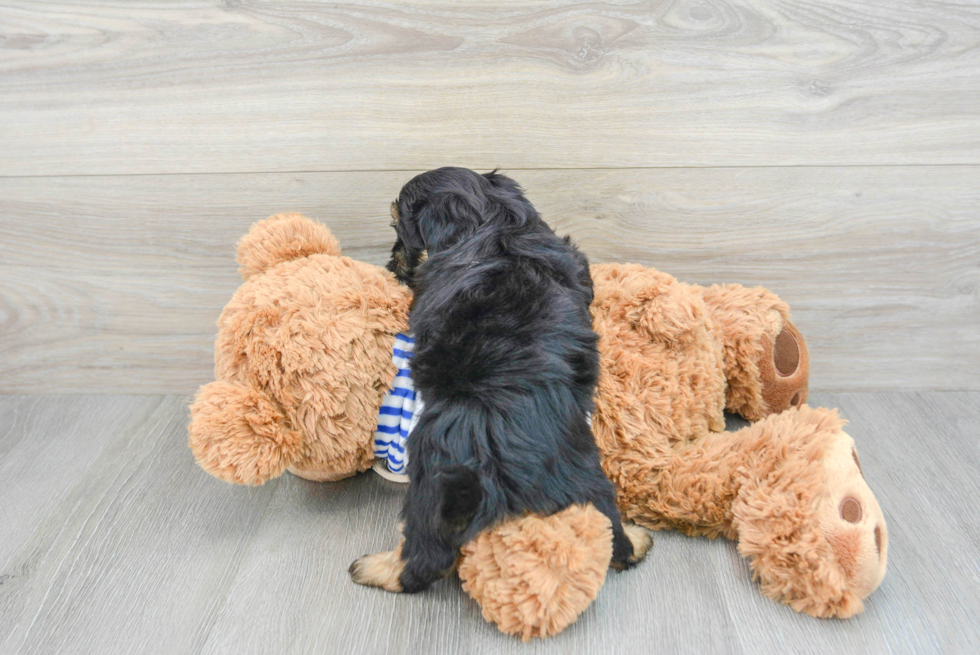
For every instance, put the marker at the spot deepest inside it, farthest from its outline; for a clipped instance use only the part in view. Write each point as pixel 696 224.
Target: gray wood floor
pixel 113 541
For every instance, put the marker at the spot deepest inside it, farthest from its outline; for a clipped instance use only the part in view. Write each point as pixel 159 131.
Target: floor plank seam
pixel 313 171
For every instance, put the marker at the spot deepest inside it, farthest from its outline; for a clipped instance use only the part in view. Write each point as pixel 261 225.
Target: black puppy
pixel 506 364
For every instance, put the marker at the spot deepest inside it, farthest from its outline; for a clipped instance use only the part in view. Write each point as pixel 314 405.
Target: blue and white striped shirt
pixel 400 409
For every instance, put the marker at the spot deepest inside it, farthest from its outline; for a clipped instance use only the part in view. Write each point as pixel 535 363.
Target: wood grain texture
pixel 115 542
pixel 155 87
pixel 119 545
pixel 113 284
pixel 919 453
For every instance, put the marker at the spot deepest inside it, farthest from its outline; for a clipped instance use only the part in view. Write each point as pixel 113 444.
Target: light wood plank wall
pixel 828 150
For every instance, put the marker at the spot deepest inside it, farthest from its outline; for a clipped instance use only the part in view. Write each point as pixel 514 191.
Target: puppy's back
pixel 505 312
pixel 506 361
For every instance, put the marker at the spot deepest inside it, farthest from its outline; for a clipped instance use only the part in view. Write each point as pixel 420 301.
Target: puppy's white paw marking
pixel 641 540
pixel 382 570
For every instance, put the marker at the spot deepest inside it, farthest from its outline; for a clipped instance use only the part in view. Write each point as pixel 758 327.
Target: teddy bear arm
pixel 691 490
pixel 533 576
pixel 804 516
pixel 240 435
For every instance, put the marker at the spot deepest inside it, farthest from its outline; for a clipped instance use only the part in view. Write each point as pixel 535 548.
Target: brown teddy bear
pixel 303 358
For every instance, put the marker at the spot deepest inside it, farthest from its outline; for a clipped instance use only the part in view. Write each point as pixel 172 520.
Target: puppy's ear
pixel 445 218
pixel 507 190
pixel 502 182
pixel 508 205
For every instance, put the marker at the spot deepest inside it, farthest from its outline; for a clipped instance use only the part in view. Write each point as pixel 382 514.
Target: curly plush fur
pixel 671 357
pixel 535 575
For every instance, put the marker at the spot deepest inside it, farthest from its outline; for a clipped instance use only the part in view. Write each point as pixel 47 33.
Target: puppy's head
pixel 437 209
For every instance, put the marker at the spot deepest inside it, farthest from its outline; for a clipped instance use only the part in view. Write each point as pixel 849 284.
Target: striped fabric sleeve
pixel 400 409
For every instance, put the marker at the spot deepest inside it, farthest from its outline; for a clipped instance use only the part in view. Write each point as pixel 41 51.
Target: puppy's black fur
pixel 506 363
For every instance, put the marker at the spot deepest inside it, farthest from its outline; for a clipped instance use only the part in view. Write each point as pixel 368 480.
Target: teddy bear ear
pixel 666 312
pixel 282 238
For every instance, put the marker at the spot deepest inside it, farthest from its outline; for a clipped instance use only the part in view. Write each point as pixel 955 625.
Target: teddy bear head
pixel 302 359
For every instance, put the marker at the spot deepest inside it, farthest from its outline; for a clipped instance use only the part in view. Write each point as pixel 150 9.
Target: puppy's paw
pixel 641 541
pixel 382 570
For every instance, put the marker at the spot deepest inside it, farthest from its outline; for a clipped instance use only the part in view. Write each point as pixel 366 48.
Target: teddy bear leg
pixel 767 364
pixel 790 491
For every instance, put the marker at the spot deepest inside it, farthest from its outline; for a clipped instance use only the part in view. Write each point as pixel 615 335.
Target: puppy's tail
pixel 461 495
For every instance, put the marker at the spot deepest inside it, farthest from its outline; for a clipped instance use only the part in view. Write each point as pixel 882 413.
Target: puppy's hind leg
pixel 382 570
pixel 641 541
pixel 426 560
pixel 417 562
pixel 426 553
pixel 436 518
pixel 631 543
